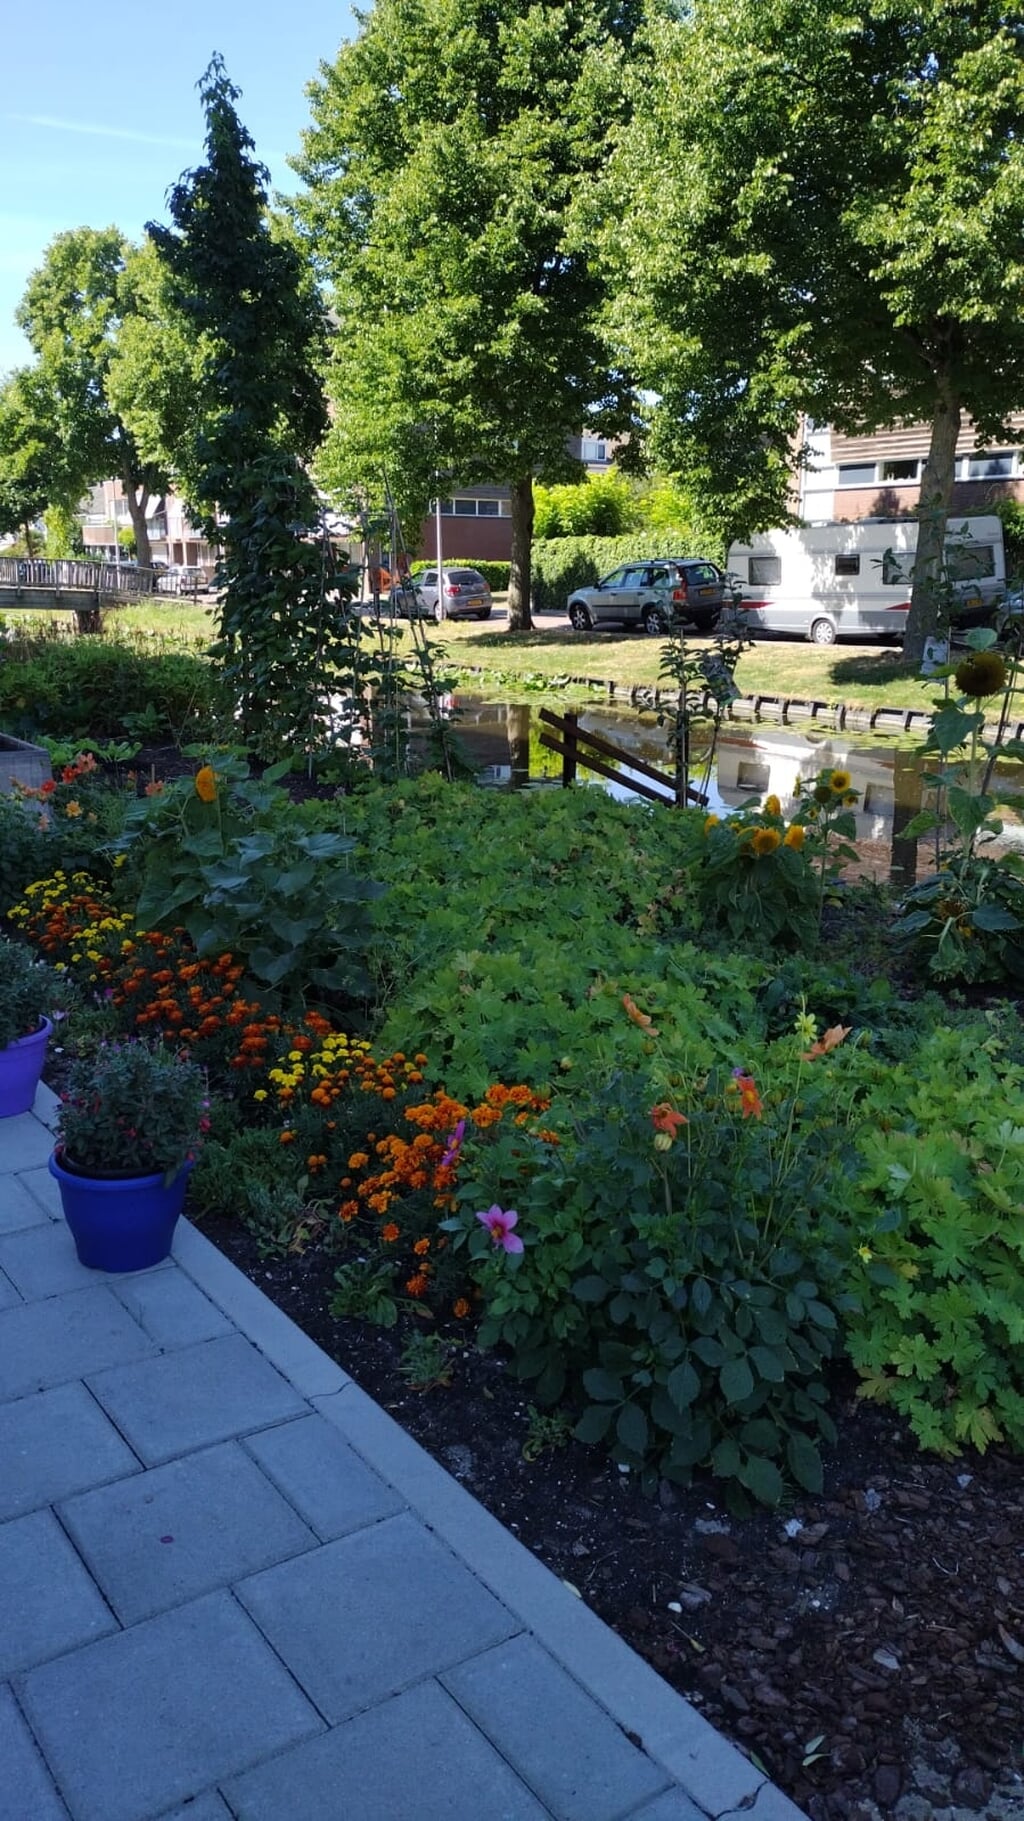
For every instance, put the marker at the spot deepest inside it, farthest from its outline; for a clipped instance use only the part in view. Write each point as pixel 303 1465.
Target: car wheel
pixel 579 618
pixel 822 632
pixel 485 615
pixel 654 618
pixel 437 612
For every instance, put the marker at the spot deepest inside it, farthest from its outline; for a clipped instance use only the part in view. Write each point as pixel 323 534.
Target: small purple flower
pixel 453 1146
pixel 499 1223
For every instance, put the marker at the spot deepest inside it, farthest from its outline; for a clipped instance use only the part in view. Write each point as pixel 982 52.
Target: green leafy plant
pixel 223 855
pixel 29 992
pixel 363 1290
pixel 754 880
pixel 939 1329
pixel 132 1108
pixel 425 1361
pixel 546 1432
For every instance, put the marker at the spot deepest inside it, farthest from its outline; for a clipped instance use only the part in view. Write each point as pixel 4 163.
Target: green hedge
pixel 564 563
pixel 495 574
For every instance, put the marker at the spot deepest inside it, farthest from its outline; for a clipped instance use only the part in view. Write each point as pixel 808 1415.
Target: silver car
pixel 463 595
pixel 652 594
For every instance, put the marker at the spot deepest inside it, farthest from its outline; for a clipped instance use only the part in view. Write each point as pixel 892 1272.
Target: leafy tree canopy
pixel 822 209
pixel 449 144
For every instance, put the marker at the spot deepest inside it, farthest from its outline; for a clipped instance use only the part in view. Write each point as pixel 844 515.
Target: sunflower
pixel 206 784
pixel 840 782
pixel 794 837
pixel 765 841
pixel 982 673
pixel 772 806
pixel 710 822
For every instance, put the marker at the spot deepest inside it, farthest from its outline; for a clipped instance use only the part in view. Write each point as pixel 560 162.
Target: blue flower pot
pixel 120 1224
pixel 21 1065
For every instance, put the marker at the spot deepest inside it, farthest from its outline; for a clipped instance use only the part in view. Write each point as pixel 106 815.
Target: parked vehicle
pixel 652 594
pixel 463 595
pixel 182 578
pixel 830 582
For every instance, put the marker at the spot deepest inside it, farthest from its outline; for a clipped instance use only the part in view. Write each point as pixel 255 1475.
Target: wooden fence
pixel 577 747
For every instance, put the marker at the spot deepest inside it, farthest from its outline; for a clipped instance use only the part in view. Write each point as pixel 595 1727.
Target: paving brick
pixel 584 1768
pixel 138 1722
pixel 24 1143
pixel 8 1294
pixel 48 1604
pixel 53 1444
pixel 415 1756
pixel 164 1537
pixel 43 1189
pixel 170 1308
pixel 42 1260
pixel 18 1208
pixel 324 1478
pixel 672 1806
pixel 205 1808
pixel 189 1399
pixel 64 1337
pixel 365 1616
pixel 26 1792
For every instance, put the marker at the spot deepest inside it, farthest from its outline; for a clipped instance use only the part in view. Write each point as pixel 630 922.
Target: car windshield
pixel 466 578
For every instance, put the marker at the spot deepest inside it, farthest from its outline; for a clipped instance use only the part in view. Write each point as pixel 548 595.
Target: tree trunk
pixel 926 603
pixel 519 619
pixel 137 514
pixel 29 552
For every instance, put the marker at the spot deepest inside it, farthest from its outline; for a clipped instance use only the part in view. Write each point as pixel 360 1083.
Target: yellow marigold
pixel 840 782
pixel 772 806
pixel 765 841
pixel 421 1246
pixel 358 1160
pixel 794 837
pixel 73 808
pixel 206 784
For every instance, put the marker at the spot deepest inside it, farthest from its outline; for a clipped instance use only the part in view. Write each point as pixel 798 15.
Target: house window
pixel 765 571
pixel 593 451
pixel 447 508
pixel 901 471
pixel 487 508
pixel 847 565
pixel 988 467
pixel 856 474
pixel 465 508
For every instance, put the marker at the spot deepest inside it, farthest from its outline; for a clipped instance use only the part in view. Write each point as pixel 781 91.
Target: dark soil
pixel 865 1647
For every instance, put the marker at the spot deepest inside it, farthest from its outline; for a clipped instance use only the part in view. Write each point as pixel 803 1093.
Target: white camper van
pixel 853 581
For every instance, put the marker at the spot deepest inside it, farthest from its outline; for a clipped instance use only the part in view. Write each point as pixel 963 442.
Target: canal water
pixel 503 741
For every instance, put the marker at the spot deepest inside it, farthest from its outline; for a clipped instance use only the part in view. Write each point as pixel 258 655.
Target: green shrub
pixel 940 1332
pixel 564 563
pixel 495 573
pixel 109 688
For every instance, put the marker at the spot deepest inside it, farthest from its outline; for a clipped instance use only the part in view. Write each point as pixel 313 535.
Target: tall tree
pixel 258 415
pixel 826 213
pixel 72 313
pixel 35 471
pixel 449 146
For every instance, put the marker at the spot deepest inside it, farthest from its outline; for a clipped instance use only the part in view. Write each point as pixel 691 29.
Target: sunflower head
pixel 794 837
pixel 710 822
pixel 772 806
pixel 982 673
pixel 765 841
pixel 839 783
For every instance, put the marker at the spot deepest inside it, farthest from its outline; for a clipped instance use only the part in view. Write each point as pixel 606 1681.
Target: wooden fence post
pixel 569 755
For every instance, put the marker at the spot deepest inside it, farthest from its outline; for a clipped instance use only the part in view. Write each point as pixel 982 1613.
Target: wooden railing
pixel 71 576
pixel 578 747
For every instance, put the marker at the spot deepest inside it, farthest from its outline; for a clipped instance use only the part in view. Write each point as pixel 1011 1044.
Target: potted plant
pixel 28 991
pixel 130 1124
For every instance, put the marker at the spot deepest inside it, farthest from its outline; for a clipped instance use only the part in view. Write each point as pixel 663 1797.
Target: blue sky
pixel 99 113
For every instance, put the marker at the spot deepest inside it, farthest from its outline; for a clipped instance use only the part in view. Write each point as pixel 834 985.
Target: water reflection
pixel 503 740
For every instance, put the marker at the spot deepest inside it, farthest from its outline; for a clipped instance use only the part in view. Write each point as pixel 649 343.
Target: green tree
pixel 822 209
pixel 73 312
pixel 34 471
pixel 258 413
pixel 449 145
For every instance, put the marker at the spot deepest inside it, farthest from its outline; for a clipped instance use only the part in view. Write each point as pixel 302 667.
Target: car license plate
pixel 476 600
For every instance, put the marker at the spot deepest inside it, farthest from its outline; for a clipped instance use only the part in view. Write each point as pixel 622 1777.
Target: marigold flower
pixel 206 784
pixel 390 1233
pixel 418 1285
pixel 73 808
pixel 794 837
pixel 348 1210
pixel 358 1160
pixel 765 841
pixel 421 1247
pixel 286 1138
pixel 461 1309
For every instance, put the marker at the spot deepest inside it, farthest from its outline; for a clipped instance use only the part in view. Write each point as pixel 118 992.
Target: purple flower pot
pixel 21 1065
pixel 120 1224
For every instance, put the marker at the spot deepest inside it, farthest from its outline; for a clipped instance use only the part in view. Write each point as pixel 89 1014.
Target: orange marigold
pixel 418 1285
pixel 460 1309
pixel 390 1233
pixel 422 1246
pixel 206 784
